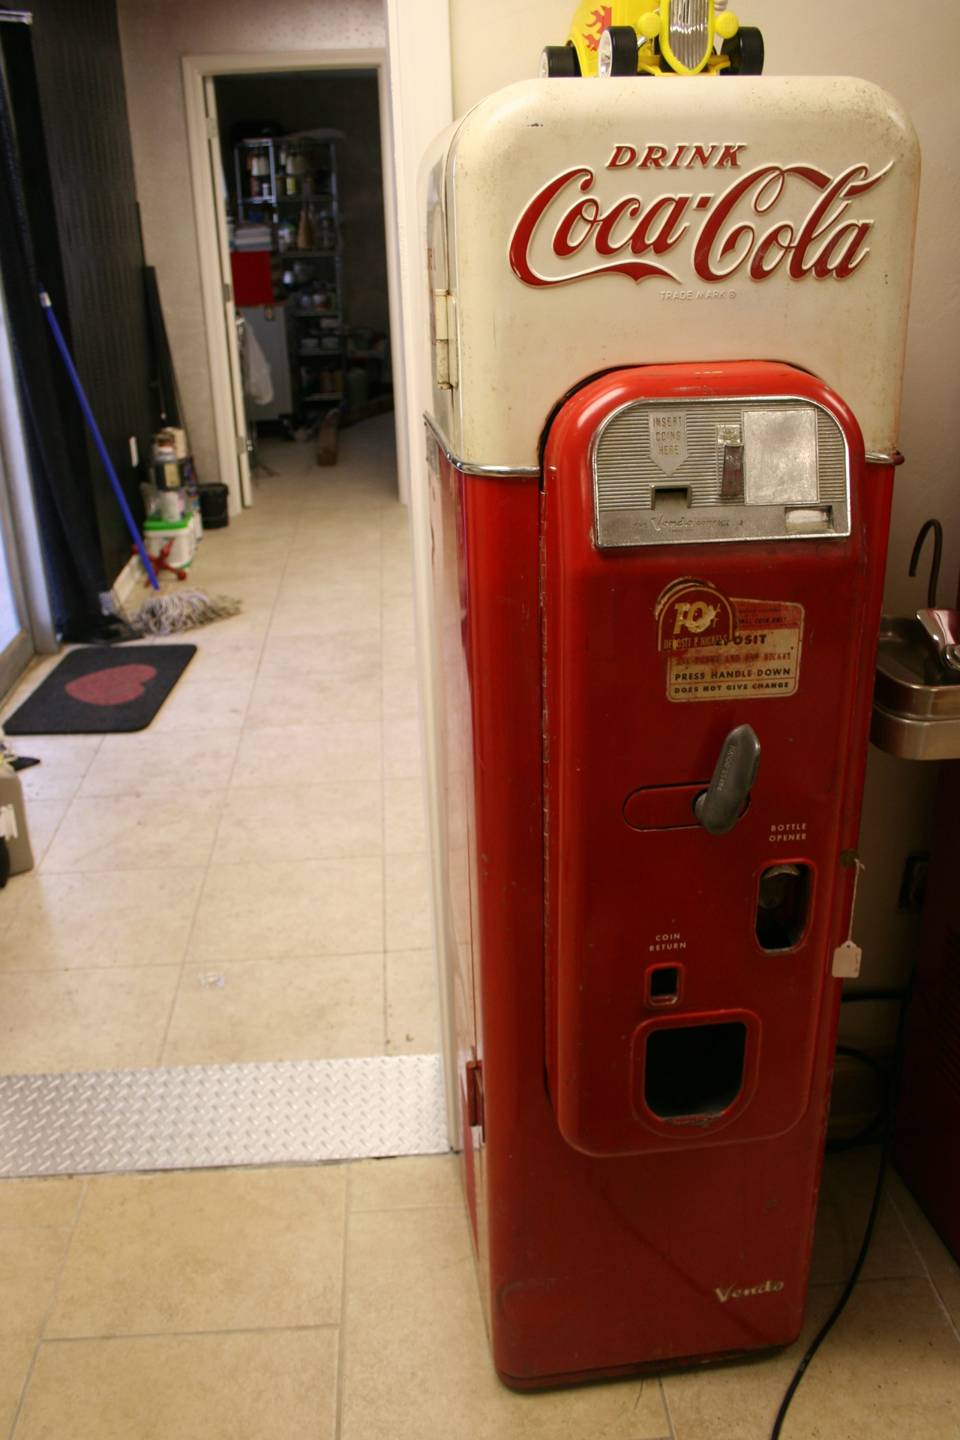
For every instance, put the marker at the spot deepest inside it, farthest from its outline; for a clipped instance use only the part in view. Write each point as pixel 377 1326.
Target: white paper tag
pixel 846 960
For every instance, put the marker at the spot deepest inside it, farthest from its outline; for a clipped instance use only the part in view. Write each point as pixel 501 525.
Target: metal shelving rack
pixel 317 368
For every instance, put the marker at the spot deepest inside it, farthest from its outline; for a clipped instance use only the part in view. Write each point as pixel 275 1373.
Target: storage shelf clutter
pixel 287 261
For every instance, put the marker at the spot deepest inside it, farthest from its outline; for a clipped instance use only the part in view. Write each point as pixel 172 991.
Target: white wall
pixel 154 34
pixel 913 54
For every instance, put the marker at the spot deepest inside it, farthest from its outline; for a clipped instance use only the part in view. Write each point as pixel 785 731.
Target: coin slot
pixel 663 985
pixel 693 1070
pixel 671 499
pixel 783 904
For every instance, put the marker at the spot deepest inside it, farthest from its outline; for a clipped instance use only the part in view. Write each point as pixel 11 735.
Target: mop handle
pixel 94 429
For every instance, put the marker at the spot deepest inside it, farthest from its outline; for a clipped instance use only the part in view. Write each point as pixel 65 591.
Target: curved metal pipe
pixel 934 580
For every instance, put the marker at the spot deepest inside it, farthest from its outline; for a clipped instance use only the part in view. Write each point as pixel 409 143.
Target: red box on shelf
pixel 252 278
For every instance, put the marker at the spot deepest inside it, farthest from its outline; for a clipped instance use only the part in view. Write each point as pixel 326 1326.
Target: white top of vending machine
pixel 575 226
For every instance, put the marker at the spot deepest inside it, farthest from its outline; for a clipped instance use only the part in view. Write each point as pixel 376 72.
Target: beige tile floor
pixel 340 1301
pixel 246 879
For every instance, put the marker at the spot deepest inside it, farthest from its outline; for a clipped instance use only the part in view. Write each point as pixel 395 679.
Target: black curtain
pixel 73 560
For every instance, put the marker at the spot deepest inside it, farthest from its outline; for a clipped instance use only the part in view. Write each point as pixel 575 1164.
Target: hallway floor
pixel 246 879
pixel 340 1303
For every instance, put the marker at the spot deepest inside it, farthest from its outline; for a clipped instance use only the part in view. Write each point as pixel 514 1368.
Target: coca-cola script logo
pixel 761 222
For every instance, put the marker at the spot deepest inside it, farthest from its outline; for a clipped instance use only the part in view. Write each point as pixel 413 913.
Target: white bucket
pixel 183 535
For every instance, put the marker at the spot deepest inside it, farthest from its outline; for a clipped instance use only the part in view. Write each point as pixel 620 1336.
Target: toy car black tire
pixel 745 51
pixel 623 50
pixel 560 62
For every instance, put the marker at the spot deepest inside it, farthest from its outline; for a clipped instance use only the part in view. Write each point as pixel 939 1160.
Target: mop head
pixel 182 610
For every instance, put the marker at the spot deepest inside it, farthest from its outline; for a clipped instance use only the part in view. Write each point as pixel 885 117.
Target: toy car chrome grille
pixel 689 31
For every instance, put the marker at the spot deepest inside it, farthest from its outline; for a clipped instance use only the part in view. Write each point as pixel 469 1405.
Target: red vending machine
pixel 668 329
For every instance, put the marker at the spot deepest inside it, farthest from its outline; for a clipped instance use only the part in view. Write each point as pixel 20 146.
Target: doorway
pixel 307 279
pixel 303 92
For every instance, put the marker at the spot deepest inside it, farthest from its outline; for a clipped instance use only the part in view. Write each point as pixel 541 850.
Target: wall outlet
pixel 134 452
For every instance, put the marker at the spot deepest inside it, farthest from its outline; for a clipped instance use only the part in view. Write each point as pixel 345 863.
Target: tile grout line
pixel 666 1408
pixel 188 1334
pixel 406 1209
pixel 84 1182
pixel 188 939
pixel 40 865
pixel 925 1267
pixel 224 793
pixel 196 908
pixel 342 1337
pixel 256 677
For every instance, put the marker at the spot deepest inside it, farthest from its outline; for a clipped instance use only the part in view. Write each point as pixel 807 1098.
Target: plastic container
pixel 18 855
pixel 156 533
pixel 170 507
pixel 167 474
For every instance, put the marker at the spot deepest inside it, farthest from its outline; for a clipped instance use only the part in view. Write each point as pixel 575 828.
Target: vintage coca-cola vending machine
pixel 668 321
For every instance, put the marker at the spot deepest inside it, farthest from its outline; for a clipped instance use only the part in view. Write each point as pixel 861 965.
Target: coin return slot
pixel 808 518
pixel 783 904
pixel 663 985
pixel 694 1069
pixel 671 499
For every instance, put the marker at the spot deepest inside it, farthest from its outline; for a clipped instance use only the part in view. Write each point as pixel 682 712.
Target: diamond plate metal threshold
pixel 194 1116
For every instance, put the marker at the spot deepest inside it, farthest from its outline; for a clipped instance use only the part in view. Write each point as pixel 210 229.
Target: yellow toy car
pixel 655 37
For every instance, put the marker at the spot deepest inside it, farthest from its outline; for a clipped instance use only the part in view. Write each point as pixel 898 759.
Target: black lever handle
pixel 718 808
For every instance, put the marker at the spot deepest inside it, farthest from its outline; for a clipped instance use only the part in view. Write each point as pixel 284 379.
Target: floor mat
pixel 102 688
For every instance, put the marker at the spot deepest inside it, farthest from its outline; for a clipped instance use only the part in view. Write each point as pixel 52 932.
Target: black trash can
pixel 213 506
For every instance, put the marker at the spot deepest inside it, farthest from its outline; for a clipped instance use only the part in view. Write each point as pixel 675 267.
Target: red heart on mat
pixel 114 686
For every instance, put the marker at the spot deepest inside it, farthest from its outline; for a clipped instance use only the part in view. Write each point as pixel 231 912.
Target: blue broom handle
pixel 88 415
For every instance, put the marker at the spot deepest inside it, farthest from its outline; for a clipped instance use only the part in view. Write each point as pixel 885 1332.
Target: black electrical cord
pixel 866 1135
pixel 891 1085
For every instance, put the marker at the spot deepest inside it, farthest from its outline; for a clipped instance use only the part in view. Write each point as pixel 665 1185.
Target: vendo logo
pixel 744 1292
pixel 795 218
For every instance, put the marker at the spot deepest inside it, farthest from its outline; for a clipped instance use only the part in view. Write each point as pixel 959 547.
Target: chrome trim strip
pixel 667 400
pixel 467 468
pixel 872 457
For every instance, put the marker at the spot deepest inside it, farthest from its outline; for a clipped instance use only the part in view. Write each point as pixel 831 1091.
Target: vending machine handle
pixel 720 806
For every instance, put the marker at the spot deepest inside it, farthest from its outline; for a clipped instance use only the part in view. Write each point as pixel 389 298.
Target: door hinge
pixel 474 1082
pixel 443 325
pixel 213 132
pixel 241 444
pixel 227 292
